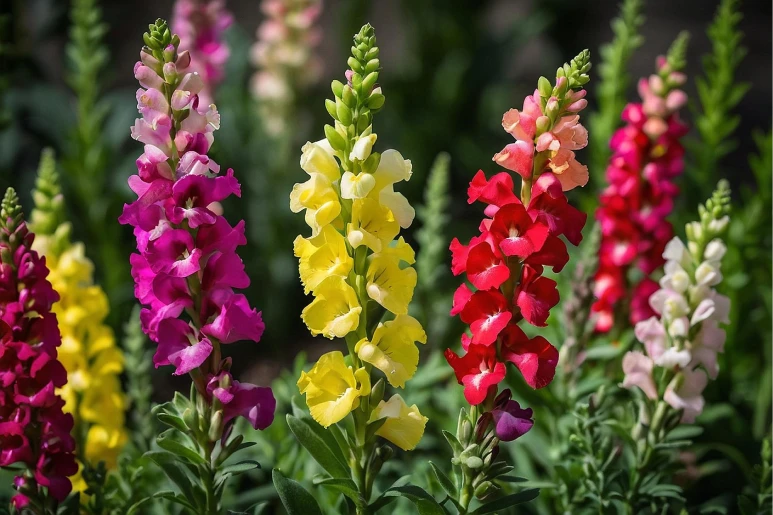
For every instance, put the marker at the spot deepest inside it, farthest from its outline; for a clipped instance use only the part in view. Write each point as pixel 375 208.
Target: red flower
pixel 536 358
pixel 485 269
pixel 477 370
pixel 535 296
pixel 516 233
pixel 549 206
pixel 487 313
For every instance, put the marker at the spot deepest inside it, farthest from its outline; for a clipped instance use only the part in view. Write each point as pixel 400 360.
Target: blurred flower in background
pixel 284 56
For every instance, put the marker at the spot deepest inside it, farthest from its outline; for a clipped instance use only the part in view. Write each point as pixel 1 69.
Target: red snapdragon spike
pixel 484 268
pixel 477 370
pixel 536 358
pixel 516 233
pixel 535 296
pixel 487 312
pixel 460 252
pixel 549 206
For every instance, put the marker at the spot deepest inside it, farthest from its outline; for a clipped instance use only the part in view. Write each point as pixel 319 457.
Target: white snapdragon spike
pixel 685 337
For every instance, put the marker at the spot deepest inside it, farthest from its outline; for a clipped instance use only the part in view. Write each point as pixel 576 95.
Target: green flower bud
pixel 343 113
pixel 354 64
pixel 348 97
pixel 338 88
pixel 473 462
pixel 330 106
pixel 483 489
pixel 371 54
pixel 215 426
pixel 377 391
pixel 545 87
pixel 372 65
pixel 369 81
pixel 190 417
pixel 375 100
pixel 335 139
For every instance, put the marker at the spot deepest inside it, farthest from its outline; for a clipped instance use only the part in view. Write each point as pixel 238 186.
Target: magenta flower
pixel 187 267
pixel 34 432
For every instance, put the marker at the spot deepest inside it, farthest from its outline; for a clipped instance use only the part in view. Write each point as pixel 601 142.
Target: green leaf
pixel 321 445
pixel 444 480
pixel 241 467
pixel 166 442
pixel 295 498
pixel 173 421
pixel 425 503
pixel 512 479
pixel 178 476
pixel 508 501
pixel 453 442
pixel 345 486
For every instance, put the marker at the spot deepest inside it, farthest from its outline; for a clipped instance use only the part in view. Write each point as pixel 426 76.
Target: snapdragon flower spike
pixel 284 56
pixel 504 264
pixel 522 235
pixel 187 267
pixel 34 431
pixel 647 158
pixel 685 336
pixel 201 25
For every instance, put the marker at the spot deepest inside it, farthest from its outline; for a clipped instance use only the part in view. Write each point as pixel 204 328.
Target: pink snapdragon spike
pixel 34 431
pixel 647 158
pixel 684 336
pixel 201 25
pixel 187 269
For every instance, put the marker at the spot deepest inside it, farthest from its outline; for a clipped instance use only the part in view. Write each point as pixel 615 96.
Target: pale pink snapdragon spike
pixel 187 267
pixel 284 56
pixel 684 336
pixel 201 25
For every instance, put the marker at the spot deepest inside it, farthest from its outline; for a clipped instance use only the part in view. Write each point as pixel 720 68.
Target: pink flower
pixel 688 396
pixel 638 372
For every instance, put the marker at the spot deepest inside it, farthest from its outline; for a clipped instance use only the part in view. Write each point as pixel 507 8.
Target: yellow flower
pixel 373 225
pixel 333 389
pixel 335 311
pixel 404 426
pixel 322 256
pixel 356 186
pixel 392 349
pixel 388 284
pixel 319 199
pixel 318 157
pixel 105 444
pixel 393 168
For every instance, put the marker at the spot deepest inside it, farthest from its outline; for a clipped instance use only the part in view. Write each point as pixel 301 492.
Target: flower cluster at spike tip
pixel 34 431
pixel 519 238
pixel 647 157
pixel 187 263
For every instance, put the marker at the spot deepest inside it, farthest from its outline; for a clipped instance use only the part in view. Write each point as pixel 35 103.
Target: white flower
pixel 715 250
pixel 356 186
pixel 674 358
pixel 678 280
pixel 719 225
pixel 688 395
pixel 708 274
pixel 670 304
pixel 363 147
pixel 676 251
pixel 679 327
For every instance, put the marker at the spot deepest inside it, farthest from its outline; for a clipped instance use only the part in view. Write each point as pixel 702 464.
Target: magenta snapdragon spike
pixel 187 268
pixel 201 25
pixel 647 157
pixel 34 432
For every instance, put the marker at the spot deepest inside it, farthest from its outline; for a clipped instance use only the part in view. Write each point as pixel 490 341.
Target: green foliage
pixel 433 248
pixel 613 82
pixel 48 214
pixel 719 94
pixel 758 498
pixel 139 387
pixel 676 57
pixel 296 499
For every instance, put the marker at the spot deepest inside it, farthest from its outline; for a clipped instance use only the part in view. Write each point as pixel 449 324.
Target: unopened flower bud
pixel 483 489
pixel 215 426
pixel 473 462
pixel 715 250
pixel 362 148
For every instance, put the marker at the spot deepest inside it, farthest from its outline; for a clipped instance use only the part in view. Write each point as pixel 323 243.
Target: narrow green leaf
pixel 425 503
pixel 508 501
pixel 166 442
pixel 295 498
pixel 318 442
pixel 345 486
pixel 444 480
pixel 241 467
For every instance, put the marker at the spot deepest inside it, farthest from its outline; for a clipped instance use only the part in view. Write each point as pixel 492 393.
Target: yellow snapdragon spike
pixel 333 389
pixel 322 256
pixel 335 311
pixel 373 225
pixel 404 425
pixel 393 349
pixel 390 285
